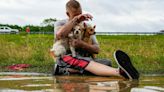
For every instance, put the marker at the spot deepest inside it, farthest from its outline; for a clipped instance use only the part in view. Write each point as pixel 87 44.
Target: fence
pixel 129 33
pixel 111 33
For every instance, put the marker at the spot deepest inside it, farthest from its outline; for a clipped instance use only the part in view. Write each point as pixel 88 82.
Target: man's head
pixel 73 8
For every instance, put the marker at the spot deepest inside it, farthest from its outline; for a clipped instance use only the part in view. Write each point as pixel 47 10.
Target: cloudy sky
pixel 109 15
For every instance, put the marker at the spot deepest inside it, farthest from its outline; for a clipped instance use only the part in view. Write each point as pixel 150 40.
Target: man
pixel 68 64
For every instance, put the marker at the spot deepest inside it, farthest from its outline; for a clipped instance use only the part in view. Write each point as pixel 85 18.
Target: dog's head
pixel 89 29
pixel 77 31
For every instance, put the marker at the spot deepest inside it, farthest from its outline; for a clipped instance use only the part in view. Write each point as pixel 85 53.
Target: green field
pixel 146 52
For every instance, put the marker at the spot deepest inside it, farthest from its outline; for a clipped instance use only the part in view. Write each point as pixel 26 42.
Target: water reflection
pixel 94 84
pixel 148 89
pixel 47 83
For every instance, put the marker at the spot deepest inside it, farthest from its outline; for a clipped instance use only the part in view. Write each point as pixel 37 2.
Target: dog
pixel 60 47
pixel 88 32
pixel 83 31
pixel 75 34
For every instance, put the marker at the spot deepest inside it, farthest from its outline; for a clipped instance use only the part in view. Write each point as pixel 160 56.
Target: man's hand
pixel 77 43
pixel 83 17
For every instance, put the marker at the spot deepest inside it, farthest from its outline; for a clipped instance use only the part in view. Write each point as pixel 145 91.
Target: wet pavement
pixel 37 82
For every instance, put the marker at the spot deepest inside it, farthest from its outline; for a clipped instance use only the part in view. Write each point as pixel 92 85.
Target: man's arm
pixel 90 48
pixel 65 29
pixel 81 44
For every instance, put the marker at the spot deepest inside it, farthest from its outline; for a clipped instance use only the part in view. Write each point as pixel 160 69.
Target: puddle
pixel 38 82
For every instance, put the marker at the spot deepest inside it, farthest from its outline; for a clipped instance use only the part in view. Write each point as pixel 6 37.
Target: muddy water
pixel 34 82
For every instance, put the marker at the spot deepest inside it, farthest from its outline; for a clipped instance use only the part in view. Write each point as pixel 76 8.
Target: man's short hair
pixel 73 4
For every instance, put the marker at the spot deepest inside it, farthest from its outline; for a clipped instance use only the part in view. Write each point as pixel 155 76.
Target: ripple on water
pixel 40 82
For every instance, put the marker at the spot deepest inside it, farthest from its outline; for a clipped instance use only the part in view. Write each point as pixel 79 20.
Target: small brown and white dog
pixel 76 34
pixel 88 32
pixel 60 47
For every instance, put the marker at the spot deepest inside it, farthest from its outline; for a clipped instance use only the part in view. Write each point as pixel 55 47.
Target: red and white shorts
pixel 79 62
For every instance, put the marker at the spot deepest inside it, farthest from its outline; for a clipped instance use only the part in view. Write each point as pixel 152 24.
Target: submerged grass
pixel 146 52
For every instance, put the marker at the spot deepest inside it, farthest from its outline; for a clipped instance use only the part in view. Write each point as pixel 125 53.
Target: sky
pixel 108 15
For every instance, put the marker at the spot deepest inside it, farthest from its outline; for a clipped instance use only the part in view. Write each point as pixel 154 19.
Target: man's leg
pixel 105 61
pixel 83 63
pixel 100 69
pixel 125 69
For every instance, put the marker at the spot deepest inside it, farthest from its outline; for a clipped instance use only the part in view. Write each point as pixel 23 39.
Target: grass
pixel 30 49
pixel 146 52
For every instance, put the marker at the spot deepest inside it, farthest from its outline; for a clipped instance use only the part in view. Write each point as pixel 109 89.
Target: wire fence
pixel 106 33
pixel 129 33
pixel 113 33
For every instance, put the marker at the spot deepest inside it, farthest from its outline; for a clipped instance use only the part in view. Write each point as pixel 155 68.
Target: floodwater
pixel 35 82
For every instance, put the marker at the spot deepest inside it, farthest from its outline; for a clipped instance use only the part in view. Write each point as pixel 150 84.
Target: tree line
pixel 46 26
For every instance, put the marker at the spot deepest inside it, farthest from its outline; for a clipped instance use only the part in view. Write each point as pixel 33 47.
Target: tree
pixel 48 22
pixel 48 25
pixel 161 30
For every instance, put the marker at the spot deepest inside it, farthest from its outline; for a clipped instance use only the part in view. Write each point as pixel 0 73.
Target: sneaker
pixel 56 69
pixel 123 73
pixel 127 70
